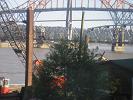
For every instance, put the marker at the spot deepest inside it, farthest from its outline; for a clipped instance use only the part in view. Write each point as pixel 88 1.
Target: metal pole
pixel 94 3
pixel 67 13
pixel 82 26
pixel 29 47
pixel 88 4
pixel 51 3
pixel 57 4
pixel 70 21
pixel 75 3
pixel 81 3
pixel 81 35
pixel 63 4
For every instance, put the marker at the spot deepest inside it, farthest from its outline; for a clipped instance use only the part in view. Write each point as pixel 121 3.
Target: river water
pixel 12 68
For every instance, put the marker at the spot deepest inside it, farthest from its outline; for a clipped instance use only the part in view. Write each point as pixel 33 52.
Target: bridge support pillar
pixel 118 39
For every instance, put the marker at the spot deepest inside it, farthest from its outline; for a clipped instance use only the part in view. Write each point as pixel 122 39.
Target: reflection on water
pixel 11 67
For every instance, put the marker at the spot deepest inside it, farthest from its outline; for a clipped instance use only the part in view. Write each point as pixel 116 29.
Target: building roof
pixel 125 63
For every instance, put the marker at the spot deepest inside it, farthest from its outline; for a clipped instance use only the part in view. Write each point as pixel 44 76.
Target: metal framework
pixel 102 34
pixel 120 11
pixel 119 17
pixel 11 29
pixel 76 3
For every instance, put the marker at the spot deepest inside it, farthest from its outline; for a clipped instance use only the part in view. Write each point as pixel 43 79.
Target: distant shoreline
pixel 44 45
pixel 7 45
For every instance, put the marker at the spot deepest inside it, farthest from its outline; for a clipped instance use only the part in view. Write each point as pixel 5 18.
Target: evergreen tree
pixel 84 78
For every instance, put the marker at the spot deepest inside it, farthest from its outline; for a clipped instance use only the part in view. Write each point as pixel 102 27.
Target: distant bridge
pixel 76 5
pixel 118 9
pixel 73 9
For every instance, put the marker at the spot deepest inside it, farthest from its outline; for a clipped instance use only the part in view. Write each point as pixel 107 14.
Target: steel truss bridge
pixel 121 13
pixel 76 5
pixel 119 10
pixel 102 34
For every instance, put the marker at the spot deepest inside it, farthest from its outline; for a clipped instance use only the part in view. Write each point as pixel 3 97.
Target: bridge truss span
pixel 76 4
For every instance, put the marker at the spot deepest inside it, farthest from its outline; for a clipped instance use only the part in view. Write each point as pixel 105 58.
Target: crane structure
pixel 15 35
pixel 12 31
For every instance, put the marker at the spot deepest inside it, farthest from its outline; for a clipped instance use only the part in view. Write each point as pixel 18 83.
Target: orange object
pixel 5 90
pixel 37 62
pixel 59 82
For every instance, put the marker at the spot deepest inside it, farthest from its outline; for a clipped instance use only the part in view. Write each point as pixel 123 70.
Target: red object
pixel 59 82
pixel 37 62
pixel 5 90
